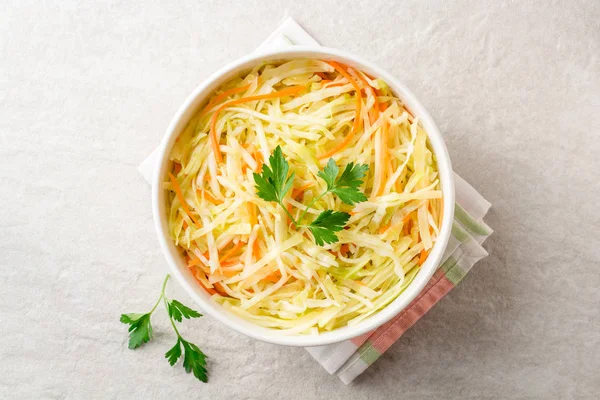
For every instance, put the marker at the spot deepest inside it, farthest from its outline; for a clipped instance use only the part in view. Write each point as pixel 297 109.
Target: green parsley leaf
pixel 178 310
pixel 346 186
pixel 141 332
pixel 273 182
pixel 194 360
pixel 174 353
pixel 140 328
pixel 327 223
pixel 329 173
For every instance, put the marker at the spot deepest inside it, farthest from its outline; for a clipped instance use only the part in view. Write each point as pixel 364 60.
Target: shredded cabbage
pixel 243 250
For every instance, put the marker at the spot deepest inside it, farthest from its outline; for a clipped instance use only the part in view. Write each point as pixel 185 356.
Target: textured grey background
pixel 86 92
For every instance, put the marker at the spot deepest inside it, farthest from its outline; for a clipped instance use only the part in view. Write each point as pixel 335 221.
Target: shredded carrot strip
pixel 228 273
pixel 321 74
pixel 256 250
pixel 229 263
pixel 383 106
pixel 383 229
pixel 232 251
pixel 213 122
pixel 344 248
pixel 184 205
pixel 209 290
pixel 373 111
pixel 259 160
pixel 176 168
pixel 273 277
pixel 225 244
pixel 206 254
pixel 406 227
pixel 210 197
pixel 298 191
pixel 305 186
pixel 223 96
pixel 357 117
pixel 423 256
pixel 220 289
pixel 185 225
pixel 194 262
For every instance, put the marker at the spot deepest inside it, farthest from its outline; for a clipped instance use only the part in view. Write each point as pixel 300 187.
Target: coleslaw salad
pixel 241 249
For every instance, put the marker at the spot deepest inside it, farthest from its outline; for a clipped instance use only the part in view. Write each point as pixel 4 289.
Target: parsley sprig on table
pixel 273 183
pixel 140 332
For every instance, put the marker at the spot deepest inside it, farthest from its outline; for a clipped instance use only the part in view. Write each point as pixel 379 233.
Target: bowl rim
pixel 183 275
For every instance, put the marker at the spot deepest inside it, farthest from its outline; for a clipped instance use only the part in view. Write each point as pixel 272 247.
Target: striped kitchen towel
pixel 350 358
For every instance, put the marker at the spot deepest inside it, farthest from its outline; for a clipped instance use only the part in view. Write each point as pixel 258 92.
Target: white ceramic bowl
pixel 178 267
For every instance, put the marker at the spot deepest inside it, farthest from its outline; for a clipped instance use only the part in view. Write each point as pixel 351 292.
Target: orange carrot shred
pixel 176 168
pixel 194 262
pixel 423 256
pixel 232 251
pixel 256 249
pixel 383 229
pixel 406 227
pixel 273 277
pixel 210 197
pixel 229 263
pixel 373 111
pixel 213 122
pixel 259 160
pixel 209 290
pixel 184 205
pixel 344 249
pixel 228 273
pixel 357 117
pixel 223 96
pixel 219 289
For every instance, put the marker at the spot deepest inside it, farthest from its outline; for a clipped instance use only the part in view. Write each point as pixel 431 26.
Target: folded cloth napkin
pixel 350 358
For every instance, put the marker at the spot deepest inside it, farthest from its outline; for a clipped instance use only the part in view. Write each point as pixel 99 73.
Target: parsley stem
pixel 288 214
pixel 162 293
pixel 311 204
pixel 171 319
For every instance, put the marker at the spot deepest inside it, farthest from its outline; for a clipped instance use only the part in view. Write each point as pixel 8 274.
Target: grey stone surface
pixel 86 92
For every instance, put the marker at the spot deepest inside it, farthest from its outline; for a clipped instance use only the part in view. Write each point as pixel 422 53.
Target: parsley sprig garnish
pixel 140 332
pixel 273 183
